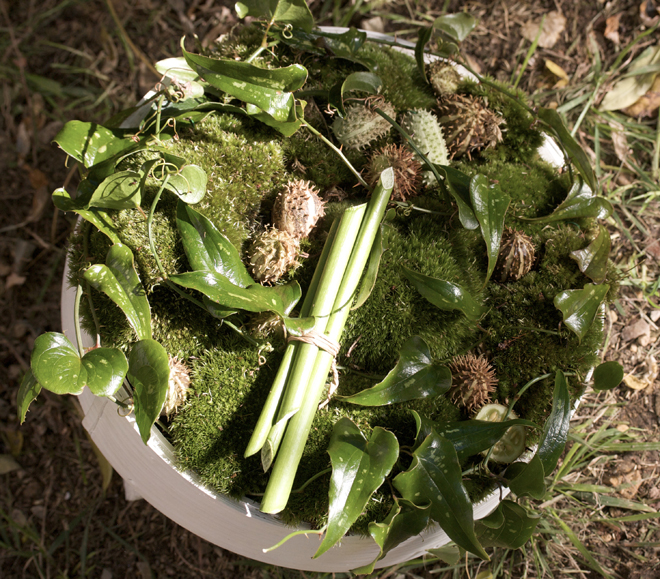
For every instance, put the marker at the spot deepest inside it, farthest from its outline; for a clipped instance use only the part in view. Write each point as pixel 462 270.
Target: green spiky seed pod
pixel 444 77
pixel 516 255
pixel 297 209
pixel 473 379
pixel 265 325
pixel 426 133
pixel 362 126
pixel 407 178
pixel 178 385
pixel 469 124
pixel 272 255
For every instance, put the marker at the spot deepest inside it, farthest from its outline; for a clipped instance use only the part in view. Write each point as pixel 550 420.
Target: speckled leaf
pixel 149 374
pixel 579 307
pixel 509 526
pixel 121 190
pixel 119 281
pixel 287 128
pixel 555 431
pixel 414 376
pixel 217 310
pixel 56 364
pixel 298 326
pixel 189 184
pixel 579 203
pixel 489 204
pixel 527 478
pixel 365 82
pixel 294 12
pixel 435 477
pixel 27 392
pixel 90 143
pixel 456 26
pixel 290 294
pixel 106 370
pixel 98 219
pixel 592 260
pixel 359 467
pixel 607 375
pixel 371 273
pixel 424 427
pixel 445 294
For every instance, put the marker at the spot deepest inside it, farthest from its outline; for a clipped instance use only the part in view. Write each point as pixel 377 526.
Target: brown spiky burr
pixel 473 380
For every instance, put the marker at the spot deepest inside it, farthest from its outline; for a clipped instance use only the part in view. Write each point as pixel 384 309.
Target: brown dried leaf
pixel 14 279
pixel 635 383
pixel 612 28
pixel 635 330
pixel 553 25
pixel 647 104
pixel 619 140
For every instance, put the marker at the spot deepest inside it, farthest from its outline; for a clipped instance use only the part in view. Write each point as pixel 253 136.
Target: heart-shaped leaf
pixel 148 373
pixel 456 26
pixel 294 12
pixel 435 478
pixel 98 219
pixel 365 82
pixel 607 375
pixel 106 370
pixel 27 392
pixel 121 190
pixel 489 204
pixel 445 294
pixel 56 364
pixel 371 273
pixel 592 260
pixel 119 281
pixel 579 307
pixel 509 526
pixel 359 467
pixel 414 376
pixel 177 69
pixel 189 184
pixel 555 431
pixel 91 144
pixel 347 46
pixel 527 479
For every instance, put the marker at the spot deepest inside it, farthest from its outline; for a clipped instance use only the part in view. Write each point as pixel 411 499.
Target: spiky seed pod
pixel 516 256
pixel 266 324
pixel 273 254
pixel 297 209
pixel 178 385
pixel 425 131
pixel 473 379
pixel 444 77
pixel 469 124
pixel 361 125
pixel 407 178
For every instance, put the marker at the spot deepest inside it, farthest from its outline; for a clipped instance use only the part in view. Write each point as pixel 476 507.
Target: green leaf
pixel 607 375
pixel 414 376
pixel 290 294
pixel 422 39
pixel 189 184
pixel 555 431
pixel 579 307
pixel 444 294
pixel 295 12
pixel 592 260
pixel 121 190
pixel 435 478
pixel 90 143
pixel 106 370
pixel 510 526
pixel 489 204
pixel 98 219
pixel 216 310
pixel 207 249
pixel 456 26
pixel 458 186
pixel 371 273
pixel 365 82
pixel 56 364
pixel 575 153
pixel 27 392
pixel 347 46
pixel 177 69
pixel 359 467
pixel 450 553
pixel 287 128
pixel 148 373
pixel 580 202
pixel 119 281
pixel 527 479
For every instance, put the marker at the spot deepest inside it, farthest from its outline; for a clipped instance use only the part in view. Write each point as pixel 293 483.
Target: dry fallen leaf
pixel 558 71
pixel 8 464
pixel 634 330
pixel 626 91
pixel 553 25
pixel 648 13
pixel 619 141
pixel 635 383
pixel 375 24
pixel 647 104
pixel 14 279
pixel 612 28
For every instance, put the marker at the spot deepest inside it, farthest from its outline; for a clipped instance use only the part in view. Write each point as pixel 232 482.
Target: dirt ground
pixel 61 60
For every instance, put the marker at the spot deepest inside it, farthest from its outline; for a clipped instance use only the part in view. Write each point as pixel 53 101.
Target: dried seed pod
pixel 361 125
pixel 469 124
pixel 425 131
pixel 473 379
pixel 297 209
pixel 516 256
pixel 407 178
pixel 178 385
pixel 273 254
pixel 444 77
pixel 265 325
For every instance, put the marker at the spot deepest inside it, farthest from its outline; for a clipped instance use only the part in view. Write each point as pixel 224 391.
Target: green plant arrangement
pixel 340 279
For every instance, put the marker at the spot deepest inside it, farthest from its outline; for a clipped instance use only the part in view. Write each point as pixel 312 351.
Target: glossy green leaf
pixel 527 479
pixel 424 427
pixel 510 526
pixel 56 364
pixel 298 326
pixel 90 143
pixel 359 467
pixel 106 370
pixel 579 307
pixel 457 185
pixel 593 259
pixel 414 376
pixel 98 219
pixel 422 40
pixel 456 26
pixel 489 204
pixel 149 374
pixel 574 151
pixel 580 203
pixel 371 273
pixel 444 294
pixel 189 184
pixel 607 375
pixel 119 281
pixel 555 431
pixel 27 392
pixel 177 69
pixel 365 82
pixel 121 190
pixel 217 310
pixel 294 12
pixel 347 46
pixel 287 128
pixel 290 294
pixel 207 249
pixel 450 553
pixel 435 477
